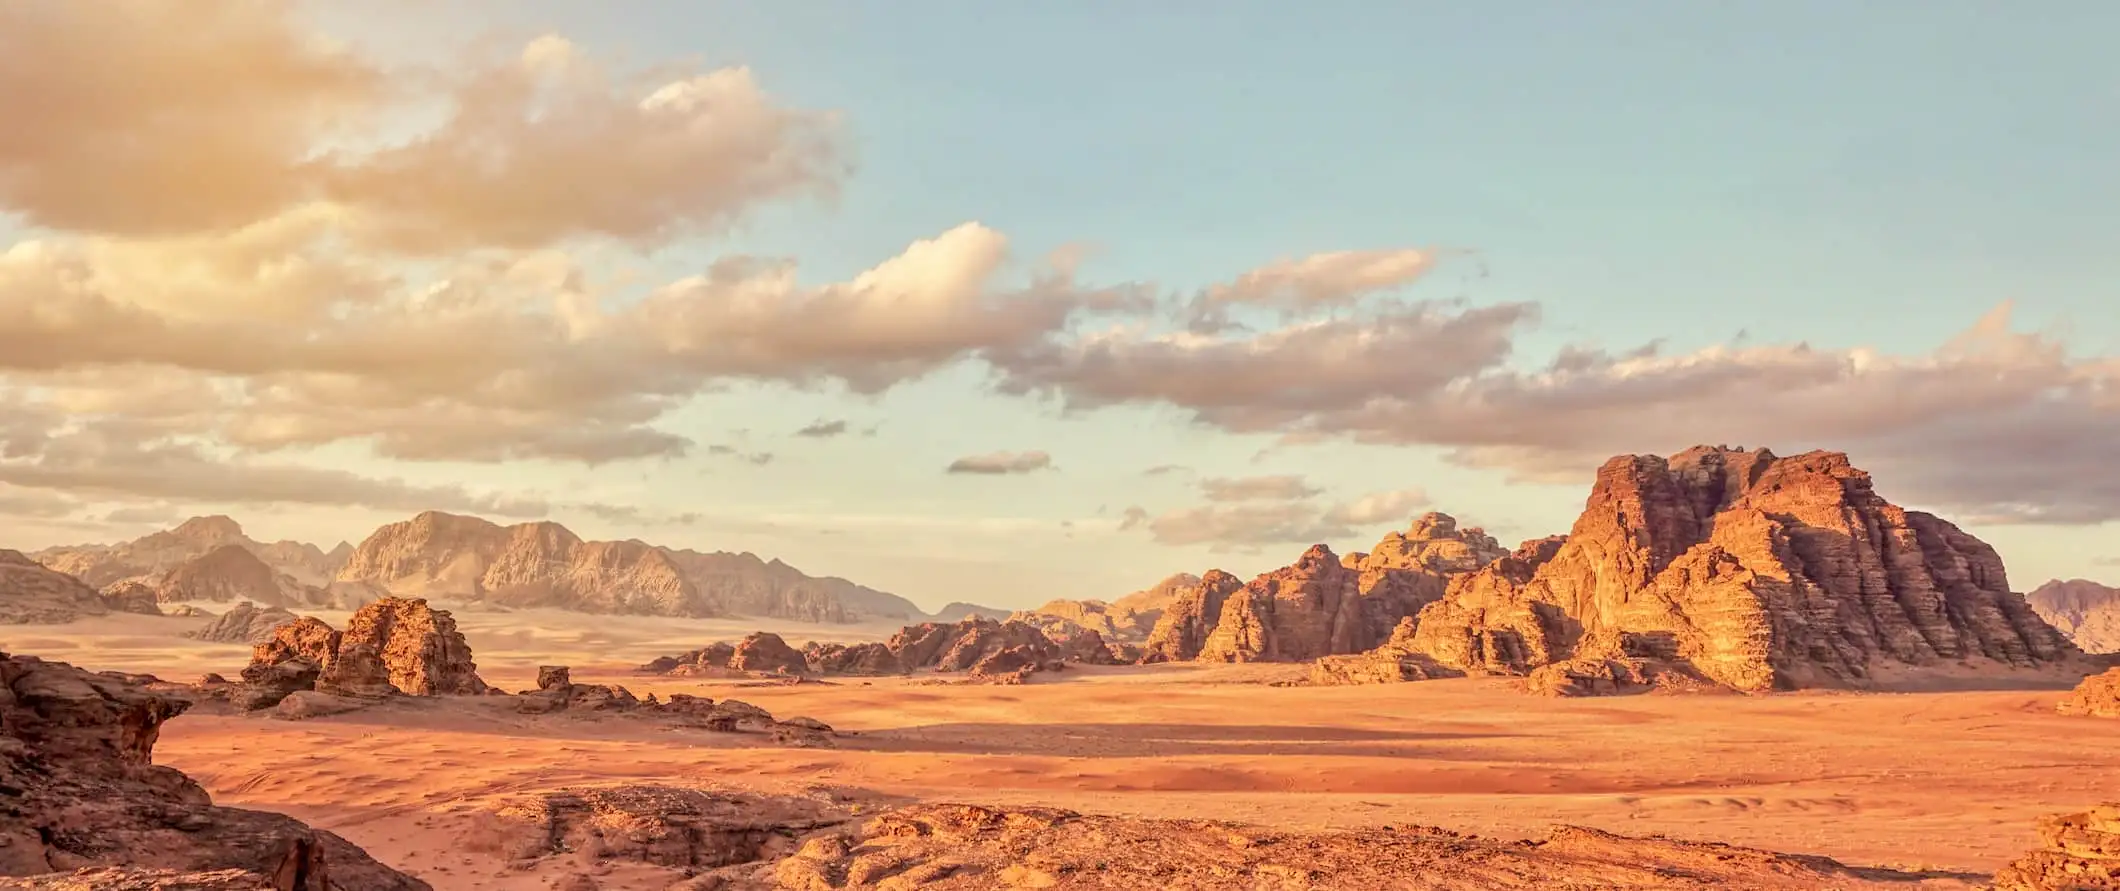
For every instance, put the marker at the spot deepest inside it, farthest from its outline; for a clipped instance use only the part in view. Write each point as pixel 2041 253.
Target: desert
pixel 838 446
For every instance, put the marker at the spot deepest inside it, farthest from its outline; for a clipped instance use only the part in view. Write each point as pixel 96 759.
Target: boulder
pixel 131 596
pixel 244 623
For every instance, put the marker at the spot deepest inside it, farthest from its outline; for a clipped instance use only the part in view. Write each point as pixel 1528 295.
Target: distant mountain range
pixel 466 559
pixel 2088 612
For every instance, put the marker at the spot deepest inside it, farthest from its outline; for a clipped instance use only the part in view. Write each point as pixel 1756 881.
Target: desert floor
pixel 1940 781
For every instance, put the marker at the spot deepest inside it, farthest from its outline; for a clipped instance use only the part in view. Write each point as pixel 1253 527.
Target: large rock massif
pixel 390 647
pixel 82 793
pixel 544 564
pixel 1128 619
pixel 1000 651
pixel 1322 604
pixel 31 594
pixel 159 553
pixel 1743 570
pixel 2088 612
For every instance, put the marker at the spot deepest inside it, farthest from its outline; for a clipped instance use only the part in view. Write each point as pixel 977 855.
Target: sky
pixel 1008 302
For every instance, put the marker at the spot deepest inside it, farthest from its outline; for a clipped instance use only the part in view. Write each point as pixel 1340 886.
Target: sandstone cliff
pixel 31 594
pixel 150 557
pixel 1322 604
pixel 2088 612
pixel 231 572
pixel 544 564
pixel 1754 571
pixel 83 792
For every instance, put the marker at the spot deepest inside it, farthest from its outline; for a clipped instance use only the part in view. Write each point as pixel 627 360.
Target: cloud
pixel 1257 488
pixel 1164 469
pixel 734 452
pixel 1335 278
pixel 35 504
pixel 2106 561
pixel 822 429
pixel 1253 523
pixel 1000 463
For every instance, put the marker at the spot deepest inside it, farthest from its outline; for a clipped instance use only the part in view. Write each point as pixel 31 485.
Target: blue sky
pixel 1848 175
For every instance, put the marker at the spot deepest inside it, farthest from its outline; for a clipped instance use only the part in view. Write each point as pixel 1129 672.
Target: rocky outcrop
pixel 2087 612
pixel 131 597
pixel 962 646
pixel 2097 697
pixel 1734 569
pixel 76 754
pixel 544 564
pixel 1394 661
pixel 765 652
pixel 946 847
pixel 1185 624
pixel 2077 852
pixel 32 594
pixel 684 830
pixel 404 646
pixel 713 657
pixel 244 623
pixel 1322 604
pixel 156 554
pixel 862 659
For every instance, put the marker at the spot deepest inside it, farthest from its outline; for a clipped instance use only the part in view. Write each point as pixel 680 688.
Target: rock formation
pixel 2077 852
pixel 1393 661
pixel 231 572
pixel 863 659
pixel 1752 571
pixel 2097 697
pixel 150 557
pixel 2087 612
pixel 32 594
pixel 1129 619
pixel 544 564
pixel 76 752
pixel 683 830
pixel 964 645
pixel 404 646
pixel 766 652
pixel 244 623
pixel 131 597
pixel 1322 604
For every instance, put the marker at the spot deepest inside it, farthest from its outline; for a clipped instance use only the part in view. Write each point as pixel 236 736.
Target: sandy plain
pixel 1945 781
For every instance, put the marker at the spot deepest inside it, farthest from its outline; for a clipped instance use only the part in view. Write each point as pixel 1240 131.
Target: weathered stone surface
pixel 554 677
pixel 672 827
pixel 2077 852
pixel 961 646
pixel 1129 619
pixel 302 705
pixel 1761 572
pixel 33 594
pixel 84 793
pixel 766 652
pixel 244 623
pixel 947 847
pixel 306 638
pixel 2097 697
pixel 106 878
pixel 2087 612
pixel 402 645
pixel 1394 661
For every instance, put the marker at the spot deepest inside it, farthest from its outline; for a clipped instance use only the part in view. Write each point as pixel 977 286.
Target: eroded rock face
pixel 32 594
pixel 2077 852
pixel 1322 604
pixel 961 646
pixel 2097 697
pixel 154 555
pixel 230 572
pixel 946 847
pixel 1129 619
pixel 84 793
pixel 1396 660
pixel 1760 572
pixel 401 645
pixel 244 623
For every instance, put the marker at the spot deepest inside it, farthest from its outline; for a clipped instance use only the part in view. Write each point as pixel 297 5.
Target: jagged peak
pixel 210 527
